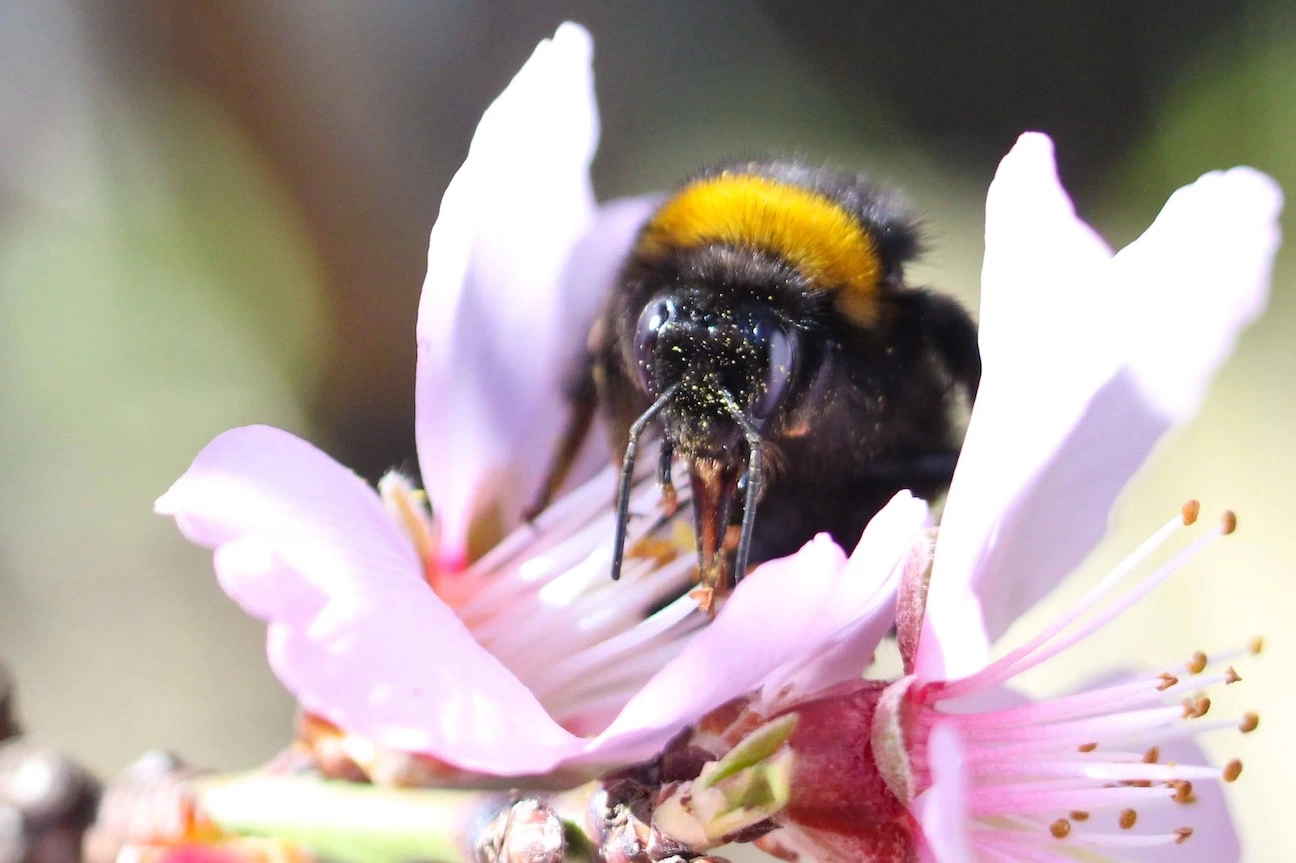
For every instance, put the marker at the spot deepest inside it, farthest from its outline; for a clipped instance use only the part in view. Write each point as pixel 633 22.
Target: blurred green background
pixel 217 213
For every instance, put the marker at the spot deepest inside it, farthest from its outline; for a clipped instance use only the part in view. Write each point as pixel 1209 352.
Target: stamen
pixel 1072 732
pixel 1118 608
pixel 627 677
pixel 557 521
pixel 612 651
pixel 1250 722
pixel 559 538
pixel 1255 645
pixel 1140 773
pixel 556 569
pixel 1231 676
pixel 1177 730
pixel 1182 835
pixel 1107 841
pixel 555 608
pixel 1128 817
pixel 1189 512
pixel 1034 652
pixel 1153 755
pixel 1217 658
pixel 1196 708
pixel 1024 798
pixel 1232 770
pixel 1079 815
pixel 407 506
pixel 1104 700
pixel 1015 845
pixel 1228 521
pixel 551 584
pixel 1060 828
pixel 1198 663
pixel 1088 747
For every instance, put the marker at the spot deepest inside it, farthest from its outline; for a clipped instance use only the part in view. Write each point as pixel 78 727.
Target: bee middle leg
pixel 919 473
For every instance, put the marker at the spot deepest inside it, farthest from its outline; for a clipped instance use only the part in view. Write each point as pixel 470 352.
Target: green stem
pixel 355 823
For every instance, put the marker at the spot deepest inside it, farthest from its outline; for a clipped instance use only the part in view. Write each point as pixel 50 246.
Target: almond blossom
pixel 527 660
pixel 1147 327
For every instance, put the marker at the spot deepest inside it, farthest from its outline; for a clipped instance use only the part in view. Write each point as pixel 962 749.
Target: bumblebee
pixel 762 326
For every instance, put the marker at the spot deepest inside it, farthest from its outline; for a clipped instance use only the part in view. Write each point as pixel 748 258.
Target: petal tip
pixel 1256 189
pixel 165 505
pixel 574 38
pixel 1038 142
pixel 1033 148
pixel 1026 180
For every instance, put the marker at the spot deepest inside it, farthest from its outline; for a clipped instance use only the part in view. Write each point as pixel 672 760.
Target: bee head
pixel 707 349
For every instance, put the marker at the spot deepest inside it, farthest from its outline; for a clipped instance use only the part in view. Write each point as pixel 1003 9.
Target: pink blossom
pixel 1111 768
pixel 1089 358
pixel 528 659
pixel 1135 360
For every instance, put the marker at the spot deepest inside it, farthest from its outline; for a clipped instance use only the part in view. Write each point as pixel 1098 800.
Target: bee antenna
pixel 754 479
pixel 627 477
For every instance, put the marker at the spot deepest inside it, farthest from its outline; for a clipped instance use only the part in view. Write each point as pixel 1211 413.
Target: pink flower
pixel 1110 769
pixel 1089 358
pixel 529 659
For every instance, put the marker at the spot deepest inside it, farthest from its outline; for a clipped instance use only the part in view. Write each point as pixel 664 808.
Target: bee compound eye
pixel 782 350
pixel 656 315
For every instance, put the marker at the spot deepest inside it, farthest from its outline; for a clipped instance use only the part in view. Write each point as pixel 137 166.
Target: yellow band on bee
pixel 815 234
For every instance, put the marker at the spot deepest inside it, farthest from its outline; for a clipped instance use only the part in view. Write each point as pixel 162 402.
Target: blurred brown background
pixel 217 213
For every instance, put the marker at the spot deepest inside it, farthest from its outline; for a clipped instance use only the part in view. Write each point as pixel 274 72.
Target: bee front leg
pixel 670 498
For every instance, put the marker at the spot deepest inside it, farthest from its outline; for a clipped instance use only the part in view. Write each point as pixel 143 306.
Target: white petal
pixel 864 609
pixel 1200 274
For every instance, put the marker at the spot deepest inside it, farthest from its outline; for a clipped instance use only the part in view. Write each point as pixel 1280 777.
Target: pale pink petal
pixel 768 619
pixel 786 610
pixel 354 632
pixel 1072 345
pixel 863 609
pixel 941 810
pixel 261 487
pixel 496 317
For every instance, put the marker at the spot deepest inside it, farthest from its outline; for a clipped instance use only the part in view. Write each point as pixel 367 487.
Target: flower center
pixel 541 601
pixel 850 782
